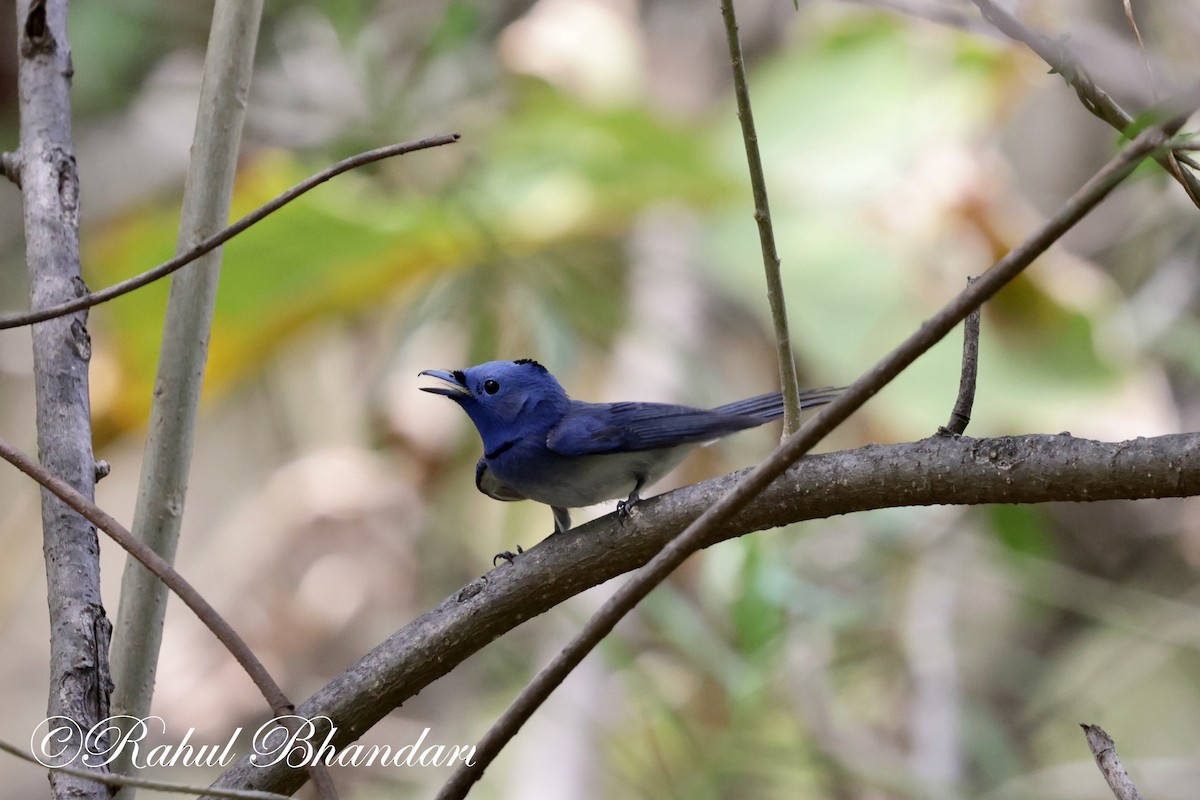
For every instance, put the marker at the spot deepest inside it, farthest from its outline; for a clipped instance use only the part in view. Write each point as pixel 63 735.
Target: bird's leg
pixel 626 505
pixel 507 555
pixel 562 522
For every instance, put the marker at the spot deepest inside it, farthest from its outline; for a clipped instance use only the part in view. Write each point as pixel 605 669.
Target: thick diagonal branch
pixel 935 471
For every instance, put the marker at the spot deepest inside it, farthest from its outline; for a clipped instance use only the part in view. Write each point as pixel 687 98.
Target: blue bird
pixel 539 444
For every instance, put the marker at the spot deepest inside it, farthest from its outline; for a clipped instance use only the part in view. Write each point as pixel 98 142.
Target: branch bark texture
pixel 936 471
pixel 79 630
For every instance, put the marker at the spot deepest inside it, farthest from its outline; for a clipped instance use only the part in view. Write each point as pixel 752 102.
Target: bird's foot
pixel 625 507
pixel 507 555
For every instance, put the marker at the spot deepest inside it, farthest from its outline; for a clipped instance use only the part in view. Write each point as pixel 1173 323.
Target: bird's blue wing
pixel 770 406
pixel 598 428
pixel 765 406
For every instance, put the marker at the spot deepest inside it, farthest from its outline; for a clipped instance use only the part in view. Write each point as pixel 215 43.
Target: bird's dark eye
pixel 490 386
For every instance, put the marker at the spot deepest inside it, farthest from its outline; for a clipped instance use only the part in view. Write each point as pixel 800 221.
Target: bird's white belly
pixel 576 481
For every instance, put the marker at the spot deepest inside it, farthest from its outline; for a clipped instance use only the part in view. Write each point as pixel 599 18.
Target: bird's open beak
pixel 455 383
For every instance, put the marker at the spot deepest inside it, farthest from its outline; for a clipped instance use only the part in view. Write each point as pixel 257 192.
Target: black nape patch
pixel 531 363
pixel 460 376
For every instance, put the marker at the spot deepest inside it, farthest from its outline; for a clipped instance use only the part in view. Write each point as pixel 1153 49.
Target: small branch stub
pixel 1104 749
pixel 10 167
pixel 960 416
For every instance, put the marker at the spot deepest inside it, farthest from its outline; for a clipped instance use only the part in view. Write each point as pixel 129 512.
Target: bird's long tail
pixel 770 406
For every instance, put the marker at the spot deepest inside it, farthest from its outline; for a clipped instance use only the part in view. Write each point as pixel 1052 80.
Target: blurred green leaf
pixel 1021 530
pixel 459 23
pixel 757 613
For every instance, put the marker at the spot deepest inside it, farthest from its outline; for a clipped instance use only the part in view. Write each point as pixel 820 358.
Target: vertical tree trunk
pixel 79 629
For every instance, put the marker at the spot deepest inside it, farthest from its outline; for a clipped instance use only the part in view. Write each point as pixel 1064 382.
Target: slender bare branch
pixel 234 643
pixel 766 233
pixel 948 14
pixel 1173 159
pixel 1104 749
pixel 1141 45
pixel 218 239
pixel 109 779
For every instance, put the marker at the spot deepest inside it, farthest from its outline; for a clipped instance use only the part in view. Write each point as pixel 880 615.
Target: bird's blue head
pixel 505 399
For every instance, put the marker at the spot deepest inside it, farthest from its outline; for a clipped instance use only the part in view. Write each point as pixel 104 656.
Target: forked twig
pixel 1097 101
pixel 219 238
pixel 1173 159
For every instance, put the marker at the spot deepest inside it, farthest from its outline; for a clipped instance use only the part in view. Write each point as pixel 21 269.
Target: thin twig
pixel 218 239
pixel 693 537
pixel 1173 160
pixel 1060 58
pixel 960 417
pixel 234 643
pixel 110 779
pixel 1137 36
pixel 766 234
pixel 939 13
pixel 1104 749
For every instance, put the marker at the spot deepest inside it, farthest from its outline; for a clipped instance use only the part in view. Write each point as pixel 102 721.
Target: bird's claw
pixel 507 555
pixel 624 510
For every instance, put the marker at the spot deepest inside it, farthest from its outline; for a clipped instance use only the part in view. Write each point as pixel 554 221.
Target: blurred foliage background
pixel 596 215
